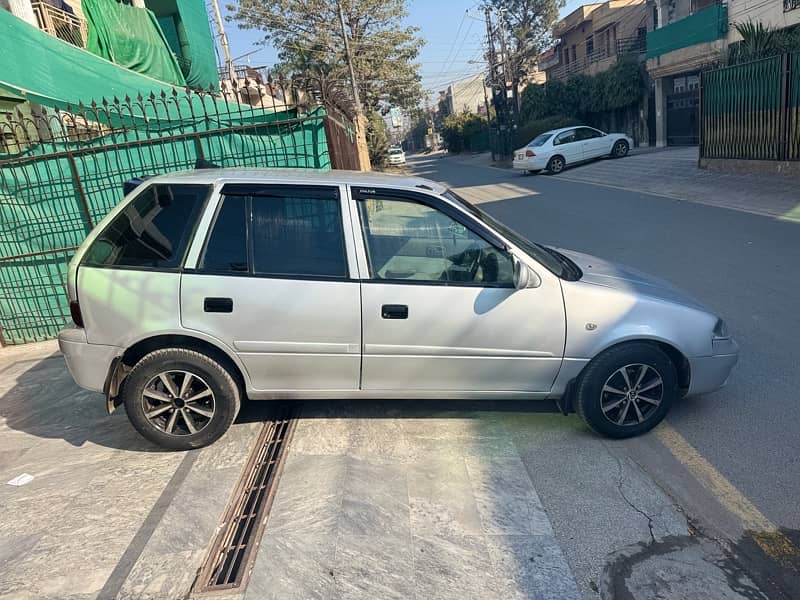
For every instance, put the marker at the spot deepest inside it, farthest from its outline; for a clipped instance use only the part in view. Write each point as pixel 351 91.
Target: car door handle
pixel 218 305
pixel 394 311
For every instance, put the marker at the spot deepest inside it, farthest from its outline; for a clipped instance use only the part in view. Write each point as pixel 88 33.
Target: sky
pixel 454 32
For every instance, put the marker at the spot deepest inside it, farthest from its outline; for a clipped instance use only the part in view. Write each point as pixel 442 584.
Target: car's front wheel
pixel 180 399
pixel 620 149
pixel 626 390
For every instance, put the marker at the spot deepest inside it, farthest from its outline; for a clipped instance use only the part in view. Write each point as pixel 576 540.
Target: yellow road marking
pixel 764 532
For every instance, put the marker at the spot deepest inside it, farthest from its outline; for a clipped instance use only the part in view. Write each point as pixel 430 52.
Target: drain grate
pixel 229 562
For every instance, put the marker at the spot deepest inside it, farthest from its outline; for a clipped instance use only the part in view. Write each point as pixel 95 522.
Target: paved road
pixel 730 459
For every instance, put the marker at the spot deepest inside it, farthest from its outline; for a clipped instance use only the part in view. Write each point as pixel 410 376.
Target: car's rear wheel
pixel 556 165
pixel 180 399
pixel 620 149
pixel 626 390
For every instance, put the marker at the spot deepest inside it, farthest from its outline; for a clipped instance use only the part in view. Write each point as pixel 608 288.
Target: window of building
pixel 679 85
pixel 692 82
pixel 153 230
pixel 590 45
pixel 410 241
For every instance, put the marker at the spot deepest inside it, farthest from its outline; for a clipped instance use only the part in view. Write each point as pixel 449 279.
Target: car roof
pixel 300 176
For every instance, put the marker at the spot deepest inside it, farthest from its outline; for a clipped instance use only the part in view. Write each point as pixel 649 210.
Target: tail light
pixel 75 313
pixel 529 153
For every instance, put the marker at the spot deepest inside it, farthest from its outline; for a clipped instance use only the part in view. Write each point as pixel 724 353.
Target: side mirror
pixel 524 276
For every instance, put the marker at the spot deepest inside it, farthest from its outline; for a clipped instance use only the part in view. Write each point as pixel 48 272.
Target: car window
pixel 565 137
pixel 226 250
pixel 395 151
pixel 153 229
pixel 409 241
pixel 297 232
pixel 587 133
pixel 540 140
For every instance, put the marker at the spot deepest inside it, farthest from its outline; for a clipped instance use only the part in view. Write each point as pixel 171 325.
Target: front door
pixel 594 143
pixel 273 283
pixel 440 311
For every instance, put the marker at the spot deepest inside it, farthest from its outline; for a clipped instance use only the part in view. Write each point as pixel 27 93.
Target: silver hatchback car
pixel 206 287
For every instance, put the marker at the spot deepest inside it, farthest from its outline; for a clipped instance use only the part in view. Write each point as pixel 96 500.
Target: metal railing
pixel 60 23
pixel 636 44
pixel 61 171
pixel 580 64
pixel 790 5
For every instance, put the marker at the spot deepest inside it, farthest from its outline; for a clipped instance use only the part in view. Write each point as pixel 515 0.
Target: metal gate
pixel 683 128
pixel 61 171
pixel 752 111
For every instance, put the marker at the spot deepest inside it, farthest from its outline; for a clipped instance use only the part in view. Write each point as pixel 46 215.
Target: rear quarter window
pixel 152 231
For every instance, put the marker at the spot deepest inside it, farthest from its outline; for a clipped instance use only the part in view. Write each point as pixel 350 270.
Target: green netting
pixel 131 38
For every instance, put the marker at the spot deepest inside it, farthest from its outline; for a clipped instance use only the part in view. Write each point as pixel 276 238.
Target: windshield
pixel 395 151
pixel 539 140
pixel 554 261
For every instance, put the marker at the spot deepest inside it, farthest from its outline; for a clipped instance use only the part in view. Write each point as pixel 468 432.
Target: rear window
pixel 540 140
pixel 395 151
pixel 153 230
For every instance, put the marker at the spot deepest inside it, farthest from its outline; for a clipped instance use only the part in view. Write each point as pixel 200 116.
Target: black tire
pixel 555 165
pixel 620 149
pixel 606 369
pixel 224 398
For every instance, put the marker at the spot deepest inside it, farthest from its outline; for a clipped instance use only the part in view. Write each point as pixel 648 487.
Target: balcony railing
pixel 706 25
pixel 790 5
pixel 60 23
pixel 636 44
pixel 579 65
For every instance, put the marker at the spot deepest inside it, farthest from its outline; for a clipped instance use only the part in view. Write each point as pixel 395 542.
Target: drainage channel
pixel 229 562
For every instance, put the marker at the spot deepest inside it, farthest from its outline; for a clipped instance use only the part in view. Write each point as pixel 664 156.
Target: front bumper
pixel 87 363
pixel 710 373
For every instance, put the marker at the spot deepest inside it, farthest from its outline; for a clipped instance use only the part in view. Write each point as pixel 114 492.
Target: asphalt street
pixel 729 459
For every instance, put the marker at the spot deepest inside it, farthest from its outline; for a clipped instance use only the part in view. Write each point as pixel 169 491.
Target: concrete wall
pixel 770 14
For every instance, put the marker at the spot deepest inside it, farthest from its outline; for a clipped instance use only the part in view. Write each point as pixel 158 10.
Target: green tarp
pixel 185 25
pixel 131 38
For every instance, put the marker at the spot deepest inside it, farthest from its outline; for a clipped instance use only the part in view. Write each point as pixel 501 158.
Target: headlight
pixel 721 329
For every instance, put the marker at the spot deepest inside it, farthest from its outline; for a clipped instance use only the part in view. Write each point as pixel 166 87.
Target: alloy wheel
pixel 632 394
pixel 621 149
pixel 178 403
pixel 556 165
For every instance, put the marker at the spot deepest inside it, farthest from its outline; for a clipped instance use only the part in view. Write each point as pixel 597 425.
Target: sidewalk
pixel 673 172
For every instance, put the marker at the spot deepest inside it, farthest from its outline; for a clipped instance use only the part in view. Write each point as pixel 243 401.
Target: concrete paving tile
pixel 375 500
pixel 194 513
pixel 230 451
pixel 441 498
pixel 161 576
pixel 531 567
pixel 453 567
pixel 373 566
pixel 309 497
pixel 294 567
pixel 322 436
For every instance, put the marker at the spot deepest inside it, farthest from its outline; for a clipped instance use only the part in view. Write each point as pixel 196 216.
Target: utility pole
pixel 507 78
pixel 491 60
pixel 361 121
pixel 223 40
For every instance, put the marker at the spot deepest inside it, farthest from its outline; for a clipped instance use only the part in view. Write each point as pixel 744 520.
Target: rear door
pixel 569 146
pixel 273 282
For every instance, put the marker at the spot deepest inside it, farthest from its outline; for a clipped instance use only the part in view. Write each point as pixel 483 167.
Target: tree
pixel 377 139
pixel 531 23
pixel 308 37
pixel 759 41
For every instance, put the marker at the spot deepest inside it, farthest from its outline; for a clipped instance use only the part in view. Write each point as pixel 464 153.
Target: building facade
pixel 468 95
pixel 591 38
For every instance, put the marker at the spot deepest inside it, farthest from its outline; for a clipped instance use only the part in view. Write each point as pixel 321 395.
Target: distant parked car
pixel 554 150
pixel 205 288
pixel 397 156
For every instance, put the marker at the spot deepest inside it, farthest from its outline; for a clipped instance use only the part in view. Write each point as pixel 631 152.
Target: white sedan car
pixel 556 149
pixel 397 156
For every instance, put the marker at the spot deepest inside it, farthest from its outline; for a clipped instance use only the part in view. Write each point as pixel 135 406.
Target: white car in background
pixel 397 156
pixel 554 150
